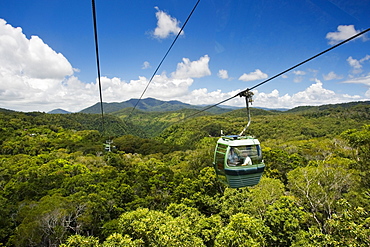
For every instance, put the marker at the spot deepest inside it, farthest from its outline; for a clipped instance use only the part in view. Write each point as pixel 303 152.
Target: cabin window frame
pixel 220 158
pixel 254 152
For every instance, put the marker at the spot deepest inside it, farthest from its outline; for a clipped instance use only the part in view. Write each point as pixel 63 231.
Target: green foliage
pixel 359 140
pixel 59 188
pixel 135 144
pixel 81 241
pixel 46 222
pixel 349 227
pixel 285 219
pixel 318 189
pixel 253 201
pixel 280 162
pixel 117 240
pixel 243 230
pixel 160 229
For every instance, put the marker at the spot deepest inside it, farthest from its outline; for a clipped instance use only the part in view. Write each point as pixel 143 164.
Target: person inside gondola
pixel 247 159
pixel 233 158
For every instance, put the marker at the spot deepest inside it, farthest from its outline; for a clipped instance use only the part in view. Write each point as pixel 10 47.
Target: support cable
pixel 169 49
pixel 242 93
pixel 97 61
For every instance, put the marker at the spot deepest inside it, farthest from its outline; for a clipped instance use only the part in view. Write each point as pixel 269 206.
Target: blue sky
pixel 47 53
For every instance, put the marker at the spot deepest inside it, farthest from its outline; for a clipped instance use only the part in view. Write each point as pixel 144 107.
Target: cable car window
pixel 244 155
pixel 220 157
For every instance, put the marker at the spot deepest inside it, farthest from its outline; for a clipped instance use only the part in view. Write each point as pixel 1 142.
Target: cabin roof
pixel 235 140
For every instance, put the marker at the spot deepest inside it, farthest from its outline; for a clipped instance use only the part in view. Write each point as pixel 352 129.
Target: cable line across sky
pixel 164 57
pixel 156 70
pixel 97 60
pixel 242 93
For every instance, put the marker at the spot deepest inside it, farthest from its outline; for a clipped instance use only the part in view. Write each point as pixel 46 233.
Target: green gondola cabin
pixel 238 161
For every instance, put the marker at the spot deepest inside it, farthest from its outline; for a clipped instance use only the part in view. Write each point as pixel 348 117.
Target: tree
pixel 360 141
pixel 117 240
pixel 81 241
pixel 285 219
pixel 155 228
pixel 47 222
pixel 350 226
pixel 318 189
pixel 253 201
pixel 243 231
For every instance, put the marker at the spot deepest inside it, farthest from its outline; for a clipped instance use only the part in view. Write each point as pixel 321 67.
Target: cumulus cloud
pixel 166 25
pixel 331 76
pixel 256 75
pixel 357 64
pixel 193 69
pixel 354 63
pixel 33 77
pixel 315 94
pixel 223 74
pixel 367 94
pixel 29 68
pixel 30 57
pixel 343 32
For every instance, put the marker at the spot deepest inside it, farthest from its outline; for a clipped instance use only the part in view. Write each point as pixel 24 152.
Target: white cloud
pixel 166 25
pixel 195 69
pixel 298 79
pixel 299 72
pixel 256 75
pixel 51 84
pixel 367 94
pixel 146 65
pixel 332 76
pixel 33 77
pixel 29 69
pixel 357 64
pixel 354 63
pixel 30 57
pixel 161 87
pixel 344 32
pixel 359 80
pixel 223 74
pixel 315 94
pixel 367 57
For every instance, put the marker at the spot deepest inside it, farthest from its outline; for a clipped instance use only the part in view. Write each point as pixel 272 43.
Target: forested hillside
pixel 148 105
pixel 60 188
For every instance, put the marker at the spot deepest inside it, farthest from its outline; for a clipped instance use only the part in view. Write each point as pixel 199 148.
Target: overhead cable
pixel 169 49
pixel 242 93
pixel 97 60
pixel 309 59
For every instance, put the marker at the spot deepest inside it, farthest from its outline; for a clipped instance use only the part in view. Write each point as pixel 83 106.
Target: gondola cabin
pixel 238 161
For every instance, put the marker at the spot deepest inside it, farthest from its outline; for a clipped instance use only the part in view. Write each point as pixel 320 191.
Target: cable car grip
pixel 248 99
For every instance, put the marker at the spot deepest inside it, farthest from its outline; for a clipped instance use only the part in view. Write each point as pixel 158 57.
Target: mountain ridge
pixel 150 105
pixel 59 111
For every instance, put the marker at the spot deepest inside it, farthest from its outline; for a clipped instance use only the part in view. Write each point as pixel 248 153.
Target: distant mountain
pixel 154 105
pixel 304 109
pixel 151 105
pixel 6 110
pixel 58 111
